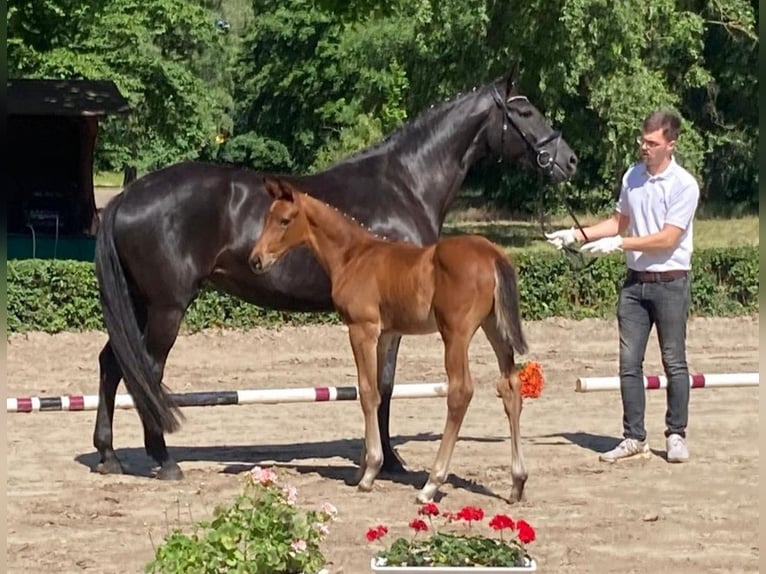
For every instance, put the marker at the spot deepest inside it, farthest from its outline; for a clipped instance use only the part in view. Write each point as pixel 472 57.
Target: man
pixel 655 213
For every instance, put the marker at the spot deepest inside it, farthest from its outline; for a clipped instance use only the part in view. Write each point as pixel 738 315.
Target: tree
pixel 163 55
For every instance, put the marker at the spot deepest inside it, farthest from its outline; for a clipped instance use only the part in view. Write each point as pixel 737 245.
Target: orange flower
pixel 532 381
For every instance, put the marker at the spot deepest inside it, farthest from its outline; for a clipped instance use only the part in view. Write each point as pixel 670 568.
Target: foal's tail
pixel 507 305
pixel 152 401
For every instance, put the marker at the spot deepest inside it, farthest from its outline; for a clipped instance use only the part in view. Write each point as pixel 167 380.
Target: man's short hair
pixel 668 122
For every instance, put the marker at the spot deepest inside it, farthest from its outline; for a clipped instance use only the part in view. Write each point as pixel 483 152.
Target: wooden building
pixel 52 131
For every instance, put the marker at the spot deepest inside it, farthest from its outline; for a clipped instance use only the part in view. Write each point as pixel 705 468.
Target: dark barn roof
pixel 65 98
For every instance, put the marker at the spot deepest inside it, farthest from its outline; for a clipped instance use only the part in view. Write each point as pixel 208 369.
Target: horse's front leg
pixel 364 341
pixel 388 350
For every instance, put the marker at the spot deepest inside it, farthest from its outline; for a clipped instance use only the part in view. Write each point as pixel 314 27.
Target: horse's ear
pixel 512 79
pixel 278 189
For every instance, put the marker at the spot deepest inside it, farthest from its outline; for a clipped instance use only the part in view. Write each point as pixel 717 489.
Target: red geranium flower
pixel 526 533
pixel 429 509
pixel 419 525
pixel 501 522
pixel 376 532
pixel 470 513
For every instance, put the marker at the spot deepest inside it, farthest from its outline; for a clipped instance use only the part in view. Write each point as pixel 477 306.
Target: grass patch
pixel 528 235
pixel 107 179
pixel 718 232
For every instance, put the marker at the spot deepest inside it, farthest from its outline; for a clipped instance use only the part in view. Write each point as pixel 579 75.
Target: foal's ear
pixel 278 189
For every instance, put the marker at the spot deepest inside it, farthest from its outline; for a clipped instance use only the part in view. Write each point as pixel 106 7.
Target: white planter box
pixel 381 568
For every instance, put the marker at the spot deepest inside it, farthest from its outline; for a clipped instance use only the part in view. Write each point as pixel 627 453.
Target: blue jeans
pixel 641 306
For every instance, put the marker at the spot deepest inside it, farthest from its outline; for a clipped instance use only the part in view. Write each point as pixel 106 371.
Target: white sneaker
pixel 628 448
pixel 677 449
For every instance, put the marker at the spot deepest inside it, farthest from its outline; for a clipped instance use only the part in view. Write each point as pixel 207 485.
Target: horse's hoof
pixel 112 466
pixel 516 496
pixel 173 472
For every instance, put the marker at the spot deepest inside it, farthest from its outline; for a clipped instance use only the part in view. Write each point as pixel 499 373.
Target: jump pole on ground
pixel 213 398
pixel 655 382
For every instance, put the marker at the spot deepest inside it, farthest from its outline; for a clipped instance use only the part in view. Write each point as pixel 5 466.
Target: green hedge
pixel 52 296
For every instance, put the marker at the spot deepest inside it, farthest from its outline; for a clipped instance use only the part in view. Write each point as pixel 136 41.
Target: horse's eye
pixel 284 222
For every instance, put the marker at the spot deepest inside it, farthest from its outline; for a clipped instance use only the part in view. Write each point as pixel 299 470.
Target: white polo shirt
pixel 651 201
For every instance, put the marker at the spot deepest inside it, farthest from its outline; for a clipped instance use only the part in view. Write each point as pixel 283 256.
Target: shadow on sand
pixel 241 458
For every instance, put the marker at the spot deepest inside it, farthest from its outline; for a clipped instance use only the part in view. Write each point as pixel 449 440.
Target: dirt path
pixel 589 516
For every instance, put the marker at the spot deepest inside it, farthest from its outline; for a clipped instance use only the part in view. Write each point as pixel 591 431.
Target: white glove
pixel 603 245
pixel 560 238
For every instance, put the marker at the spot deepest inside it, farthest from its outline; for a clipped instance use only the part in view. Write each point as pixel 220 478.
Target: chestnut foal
pixel 382 288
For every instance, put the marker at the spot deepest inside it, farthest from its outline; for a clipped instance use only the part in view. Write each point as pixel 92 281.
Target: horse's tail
pixel 507 312
pixel 152 401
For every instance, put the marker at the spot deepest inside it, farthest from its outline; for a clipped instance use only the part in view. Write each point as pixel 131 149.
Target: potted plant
pixel 458 546
pixel 263 531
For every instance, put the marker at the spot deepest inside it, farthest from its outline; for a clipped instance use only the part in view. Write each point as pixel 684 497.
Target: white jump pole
pixel 654 382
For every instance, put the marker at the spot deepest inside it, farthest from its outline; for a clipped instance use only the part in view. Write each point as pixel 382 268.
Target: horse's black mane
pixel 423 118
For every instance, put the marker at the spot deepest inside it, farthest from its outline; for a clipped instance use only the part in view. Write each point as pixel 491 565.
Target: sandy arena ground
pixel 639 516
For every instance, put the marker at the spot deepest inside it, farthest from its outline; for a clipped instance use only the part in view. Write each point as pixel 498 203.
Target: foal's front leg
pixel 459 394
pixel 364 342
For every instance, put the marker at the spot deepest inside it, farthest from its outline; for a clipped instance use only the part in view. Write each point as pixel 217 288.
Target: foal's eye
pixel 284 222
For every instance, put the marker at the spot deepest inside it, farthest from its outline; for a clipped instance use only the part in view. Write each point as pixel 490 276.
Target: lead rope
pixel 573 254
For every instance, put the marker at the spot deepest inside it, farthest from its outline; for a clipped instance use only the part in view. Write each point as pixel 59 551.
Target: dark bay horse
pixel 177 228
pixel 382 289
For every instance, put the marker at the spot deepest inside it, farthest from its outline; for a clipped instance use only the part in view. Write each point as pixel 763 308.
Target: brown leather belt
pixel 656 276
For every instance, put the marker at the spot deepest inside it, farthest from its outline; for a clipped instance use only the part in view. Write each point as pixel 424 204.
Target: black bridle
pixel 545 161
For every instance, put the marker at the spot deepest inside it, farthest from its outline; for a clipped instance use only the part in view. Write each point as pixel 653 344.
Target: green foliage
pixel 455 539
pixel 165 56
pixel 256 152
pixel 604 68
pixel 445 548
pixel 262 532
pixel 724 282
pixel 214 309
pixel 306 83
pixel 53 296
pixel 364 131
pixel 323 88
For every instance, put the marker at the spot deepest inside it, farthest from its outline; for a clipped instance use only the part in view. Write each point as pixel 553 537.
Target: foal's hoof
pixel 423 498
pixel 111 466
pixel 170 472
pixel 364 485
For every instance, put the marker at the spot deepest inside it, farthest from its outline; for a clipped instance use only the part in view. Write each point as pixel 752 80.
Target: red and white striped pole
pixel 213 398
pixel 654 382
